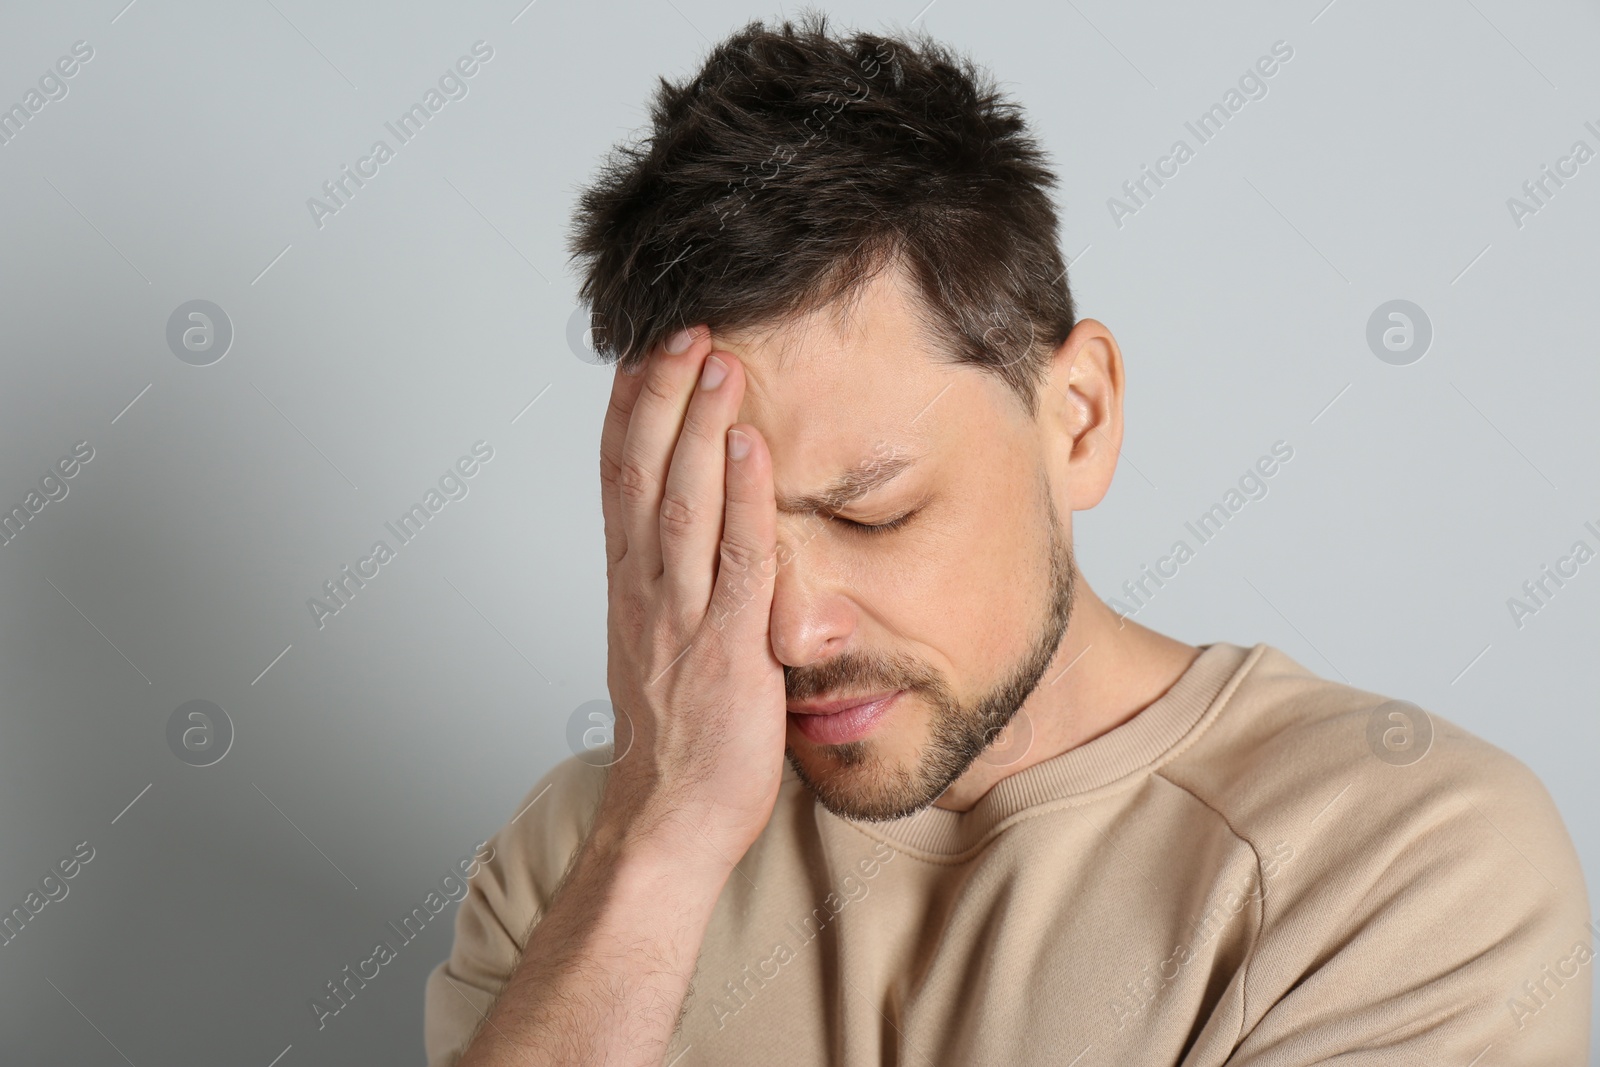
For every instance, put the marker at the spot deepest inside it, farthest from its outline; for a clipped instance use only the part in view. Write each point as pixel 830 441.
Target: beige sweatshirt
pixel 1263 867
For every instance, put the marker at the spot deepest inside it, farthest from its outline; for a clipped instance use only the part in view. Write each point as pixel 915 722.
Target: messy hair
pixel 798 163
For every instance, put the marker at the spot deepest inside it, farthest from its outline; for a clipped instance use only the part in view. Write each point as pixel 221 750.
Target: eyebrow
pixel 854 483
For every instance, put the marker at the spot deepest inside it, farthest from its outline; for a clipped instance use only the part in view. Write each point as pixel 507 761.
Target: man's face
pixel 961 608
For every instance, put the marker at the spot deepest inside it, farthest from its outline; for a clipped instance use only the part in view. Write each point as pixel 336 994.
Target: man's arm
pixel 691 554
pixel 604 974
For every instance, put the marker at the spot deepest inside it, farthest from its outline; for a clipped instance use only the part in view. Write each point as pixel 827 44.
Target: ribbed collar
pixel 1137 747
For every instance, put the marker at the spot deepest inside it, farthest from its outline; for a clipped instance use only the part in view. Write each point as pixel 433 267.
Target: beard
pixel 857 781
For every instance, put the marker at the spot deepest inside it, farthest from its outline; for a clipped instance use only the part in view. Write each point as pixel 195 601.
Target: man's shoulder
pixel 1372 794
pixel 539 837
pixel 1286 746
pixel 1402 857
pixel 560 804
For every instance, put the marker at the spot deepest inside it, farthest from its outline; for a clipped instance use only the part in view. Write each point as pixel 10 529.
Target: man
pixel 891 784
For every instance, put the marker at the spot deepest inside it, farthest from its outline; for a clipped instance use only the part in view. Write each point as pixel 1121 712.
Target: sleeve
pixel 504 901
pixel 1448 926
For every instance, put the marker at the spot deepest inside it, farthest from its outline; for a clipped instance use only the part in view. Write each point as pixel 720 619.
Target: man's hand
pixel 691 554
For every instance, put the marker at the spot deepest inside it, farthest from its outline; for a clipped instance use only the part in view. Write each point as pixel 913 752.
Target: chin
pixel 855 781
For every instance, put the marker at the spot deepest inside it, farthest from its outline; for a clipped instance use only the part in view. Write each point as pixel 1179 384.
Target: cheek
pixel 994 569
pixel 966 582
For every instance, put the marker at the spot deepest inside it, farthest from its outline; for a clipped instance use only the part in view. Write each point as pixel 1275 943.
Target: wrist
pixel 651 854
pixel 631 895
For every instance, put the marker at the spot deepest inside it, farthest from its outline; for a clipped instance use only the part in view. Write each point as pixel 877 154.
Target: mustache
pixel 855 672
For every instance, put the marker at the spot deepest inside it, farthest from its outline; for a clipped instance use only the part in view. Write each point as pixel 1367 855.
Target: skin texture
pixel 959 606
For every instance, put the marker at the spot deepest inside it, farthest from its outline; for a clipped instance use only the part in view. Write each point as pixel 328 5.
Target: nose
pixel 812 618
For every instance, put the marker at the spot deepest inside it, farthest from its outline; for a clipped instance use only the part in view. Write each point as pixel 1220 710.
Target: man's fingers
pixel 692 502
pixel 748 559
pixel 624 391
pixel 654 419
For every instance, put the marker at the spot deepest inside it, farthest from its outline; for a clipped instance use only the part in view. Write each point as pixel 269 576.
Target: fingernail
pixel 679 342
pixel 738 444
pixel 712 373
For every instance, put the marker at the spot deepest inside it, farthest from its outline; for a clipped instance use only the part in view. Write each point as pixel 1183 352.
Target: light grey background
pixel 370 353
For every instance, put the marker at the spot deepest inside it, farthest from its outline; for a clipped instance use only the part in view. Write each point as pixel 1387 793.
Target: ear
pixel 1080 413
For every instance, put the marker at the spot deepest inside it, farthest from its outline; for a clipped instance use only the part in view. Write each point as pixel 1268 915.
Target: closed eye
pixel 875 528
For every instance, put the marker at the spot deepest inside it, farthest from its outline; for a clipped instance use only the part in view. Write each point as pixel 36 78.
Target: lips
pixel 838 722
pixel 831 707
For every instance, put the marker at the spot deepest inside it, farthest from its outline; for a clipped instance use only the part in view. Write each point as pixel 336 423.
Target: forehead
pixel 843 386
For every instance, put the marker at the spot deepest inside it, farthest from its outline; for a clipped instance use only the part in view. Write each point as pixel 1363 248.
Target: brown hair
pixel 794 166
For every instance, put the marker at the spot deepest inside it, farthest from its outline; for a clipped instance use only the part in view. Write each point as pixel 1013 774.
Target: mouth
pixel 836 722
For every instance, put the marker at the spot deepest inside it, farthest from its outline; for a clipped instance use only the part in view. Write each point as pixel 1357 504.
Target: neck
pixel 1106 670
